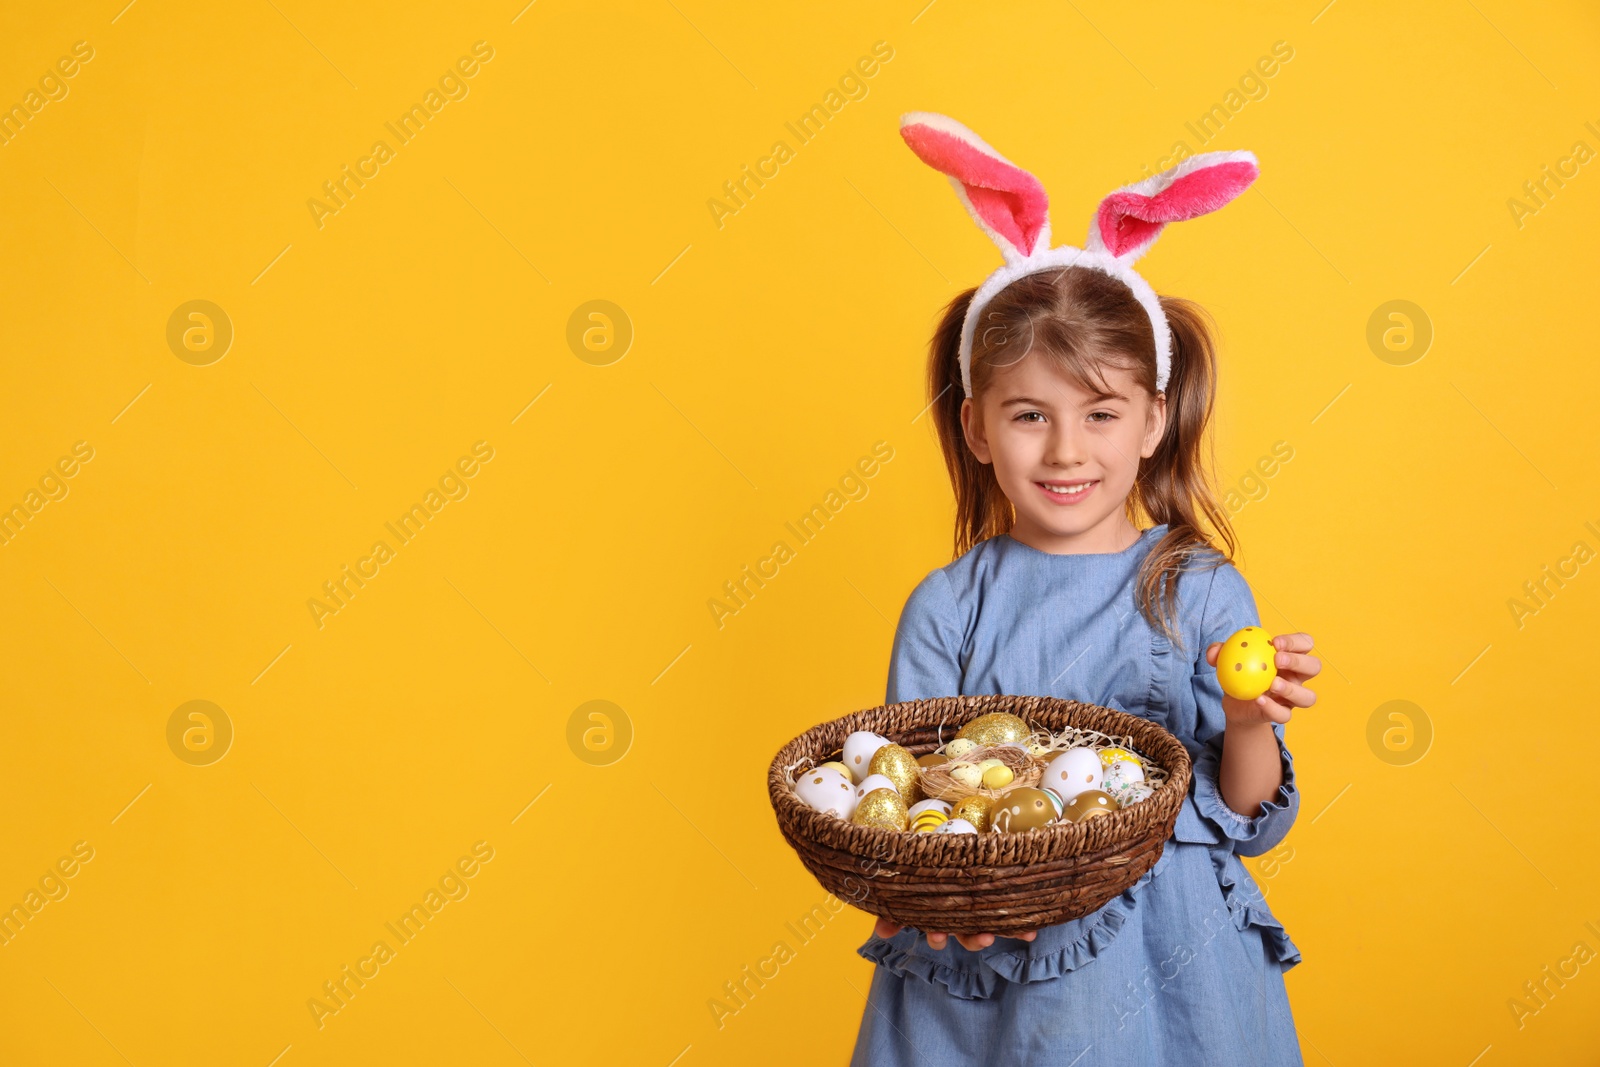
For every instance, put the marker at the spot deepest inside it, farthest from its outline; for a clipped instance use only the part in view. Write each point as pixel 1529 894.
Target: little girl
pixel 1080 406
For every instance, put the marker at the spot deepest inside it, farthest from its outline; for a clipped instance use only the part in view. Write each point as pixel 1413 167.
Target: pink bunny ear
pixel 1130 219
pixel 1008 203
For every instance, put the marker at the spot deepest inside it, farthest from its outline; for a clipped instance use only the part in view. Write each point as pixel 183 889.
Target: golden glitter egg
pixel 883 809
pixel 996 728
pixel 1089 804
pixel 900 767
pixel 959 747
pixel 1022 810
pixel 974 809
pixel 932 759
pixel 998 776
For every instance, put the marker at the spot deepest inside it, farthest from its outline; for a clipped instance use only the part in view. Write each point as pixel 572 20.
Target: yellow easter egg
pixel 1245 664
pixel 1108 756
pixel 997 776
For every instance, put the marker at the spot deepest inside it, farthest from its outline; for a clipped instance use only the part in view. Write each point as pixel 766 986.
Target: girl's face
pixel 1065 457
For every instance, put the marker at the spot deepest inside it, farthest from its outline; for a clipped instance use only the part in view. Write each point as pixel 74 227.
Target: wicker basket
pixel 980 883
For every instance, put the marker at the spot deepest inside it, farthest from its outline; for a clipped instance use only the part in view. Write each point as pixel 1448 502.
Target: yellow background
pixel 769 354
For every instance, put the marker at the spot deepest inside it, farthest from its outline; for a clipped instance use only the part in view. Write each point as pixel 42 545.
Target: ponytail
pixel 1174 484
pixel 982 510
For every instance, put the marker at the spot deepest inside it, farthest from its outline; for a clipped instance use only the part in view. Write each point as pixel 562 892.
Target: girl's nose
pixel 1065 447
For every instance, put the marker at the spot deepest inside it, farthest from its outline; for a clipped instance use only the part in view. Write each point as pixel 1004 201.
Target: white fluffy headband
pixel 1010 206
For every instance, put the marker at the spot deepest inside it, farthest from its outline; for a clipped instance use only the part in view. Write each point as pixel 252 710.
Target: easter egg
pixel 959 747
pixel 1129 793
pixel 841 768
pixel 881 808
pixel 995 728
pixel 957 826
pixel 1246 663
pixel 1108 756
pixel 1037 749
pixel 827 790
pixel 931 804
pixel 1022 810
pixel 1072 772
pixel 1121 772
pixel 997 776
pixel 968 774
pixel 899 766
pixel 859 748
pixel 1089 804
pixel 932 759
pixel 1056 800
pixel 929 815
pixel 974 810
pixel 875 781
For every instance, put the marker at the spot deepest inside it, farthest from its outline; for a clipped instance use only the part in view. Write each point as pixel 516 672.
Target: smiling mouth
pixel 1068 492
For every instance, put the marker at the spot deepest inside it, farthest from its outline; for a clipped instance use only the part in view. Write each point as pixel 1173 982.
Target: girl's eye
pixel 1030 416
pixel 1096 416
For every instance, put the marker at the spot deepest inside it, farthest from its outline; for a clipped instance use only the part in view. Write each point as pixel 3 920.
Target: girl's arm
pixel 1251 771
pixel 1244 780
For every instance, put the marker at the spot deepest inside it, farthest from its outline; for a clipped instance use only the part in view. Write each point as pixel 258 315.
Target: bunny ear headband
pixel 1010 206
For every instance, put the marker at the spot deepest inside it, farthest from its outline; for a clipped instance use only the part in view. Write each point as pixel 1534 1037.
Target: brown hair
pixel 1084 320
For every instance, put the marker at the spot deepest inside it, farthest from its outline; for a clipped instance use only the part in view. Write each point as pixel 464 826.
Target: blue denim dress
pixel 1185 966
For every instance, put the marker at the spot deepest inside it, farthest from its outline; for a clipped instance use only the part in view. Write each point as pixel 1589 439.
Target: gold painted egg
pixel 1246 663
pixel 1022 810
pixel 974 809
pixel 1089 804
pixel 932 759
pixel 996 728
pixel 883 809
pixel 899 766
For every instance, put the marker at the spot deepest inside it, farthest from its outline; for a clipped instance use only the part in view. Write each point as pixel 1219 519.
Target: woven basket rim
pixel 999 850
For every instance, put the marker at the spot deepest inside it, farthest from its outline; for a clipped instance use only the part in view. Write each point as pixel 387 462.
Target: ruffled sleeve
pixel 1230 607
pixel 926 661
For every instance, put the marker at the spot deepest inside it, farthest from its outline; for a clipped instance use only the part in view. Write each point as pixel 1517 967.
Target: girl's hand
pixel 970 942
pixel 1287 690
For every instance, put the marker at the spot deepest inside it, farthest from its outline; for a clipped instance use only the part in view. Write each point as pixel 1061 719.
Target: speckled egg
pixel 960 747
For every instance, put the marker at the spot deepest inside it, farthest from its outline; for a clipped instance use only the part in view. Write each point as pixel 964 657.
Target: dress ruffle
pixel 1248 907
pixel 1258 833
pixel 978 975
